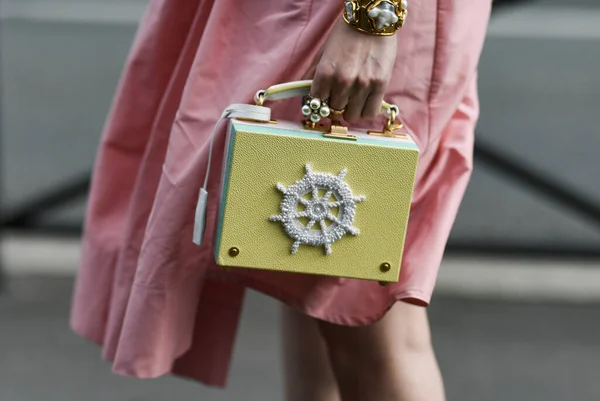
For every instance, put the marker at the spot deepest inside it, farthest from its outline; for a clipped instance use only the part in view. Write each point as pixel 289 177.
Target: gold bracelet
pixel 376 17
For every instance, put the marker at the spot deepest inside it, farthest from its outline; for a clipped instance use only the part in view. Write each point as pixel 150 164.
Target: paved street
pixel 488 351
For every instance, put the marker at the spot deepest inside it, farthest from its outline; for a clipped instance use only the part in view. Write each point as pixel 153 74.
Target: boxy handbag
pixel 308 197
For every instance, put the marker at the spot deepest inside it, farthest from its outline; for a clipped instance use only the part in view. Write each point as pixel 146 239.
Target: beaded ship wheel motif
pixel 318 210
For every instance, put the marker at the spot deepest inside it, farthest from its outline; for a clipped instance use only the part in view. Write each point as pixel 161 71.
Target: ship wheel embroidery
pixel 318 210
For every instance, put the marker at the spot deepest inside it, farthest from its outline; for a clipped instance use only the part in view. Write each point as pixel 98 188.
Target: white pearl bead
pixel 306 110
pixel 324 112
pixel 404 4
pixel 315 104
pixel 315 118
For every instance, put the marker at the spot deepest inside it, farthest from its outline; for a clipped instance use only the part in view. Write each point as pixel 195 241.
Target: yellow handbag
pixel 305 197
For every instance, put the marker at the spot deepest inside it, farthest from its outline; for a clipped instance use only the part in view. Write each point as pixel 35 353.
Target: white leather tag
pixel 200 219
pixel 259 113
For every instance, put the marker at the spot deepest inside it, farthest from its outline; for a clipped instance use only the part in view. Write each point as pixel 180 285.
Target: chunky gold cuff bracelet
pixel 376 17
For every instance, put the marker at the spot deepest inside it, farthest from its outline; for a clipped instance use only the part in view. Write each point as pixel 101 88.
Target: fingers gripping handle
pixel 302 88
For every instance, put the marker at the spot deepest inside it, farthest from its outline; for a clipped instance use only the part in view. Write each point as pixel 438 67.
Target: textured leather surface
pixel 385 175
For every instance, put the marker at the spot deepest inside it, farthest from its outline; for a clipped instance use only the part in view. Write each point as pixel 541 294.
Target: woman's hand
pixel 353 71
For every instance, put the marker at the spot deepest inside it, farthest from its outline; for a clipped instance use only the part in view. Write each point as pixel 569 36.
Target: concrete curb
pixel 479 278
pixel 521 280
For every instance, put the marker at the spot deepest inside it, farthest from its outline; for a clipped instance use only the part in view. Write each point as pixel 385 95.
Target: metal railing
pixel 538 182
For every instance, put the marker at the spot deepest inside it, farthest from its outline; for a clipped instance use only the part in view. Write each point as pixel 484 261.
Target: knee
pixel 389 359
pixel 402 334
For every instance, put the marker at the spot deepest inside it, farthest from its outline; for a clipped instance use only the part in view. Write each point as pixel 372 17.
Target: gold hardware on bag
pixel 260 98
pixel 339 132
pixel 233 252
pixel 388 131
pixel 312 126
pixel 390 127
pixel 385 267
pixel 252 120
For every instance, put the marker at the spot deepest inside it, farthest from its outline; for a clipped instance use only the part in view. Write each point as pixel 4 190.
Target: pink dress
pixel 157 303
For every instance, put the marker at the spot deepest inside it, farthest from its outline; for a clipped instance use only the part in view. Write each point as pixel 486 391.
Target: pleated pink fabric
pixel 157 303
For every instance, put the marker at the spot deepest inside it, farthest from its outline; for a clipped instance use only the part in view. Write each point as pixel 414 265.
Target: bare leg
pixel 308 373
pixel 391 360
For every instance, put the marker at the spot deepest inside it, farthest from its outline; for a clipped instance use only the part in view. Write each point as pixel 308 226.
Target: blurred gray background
pixel 506 327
